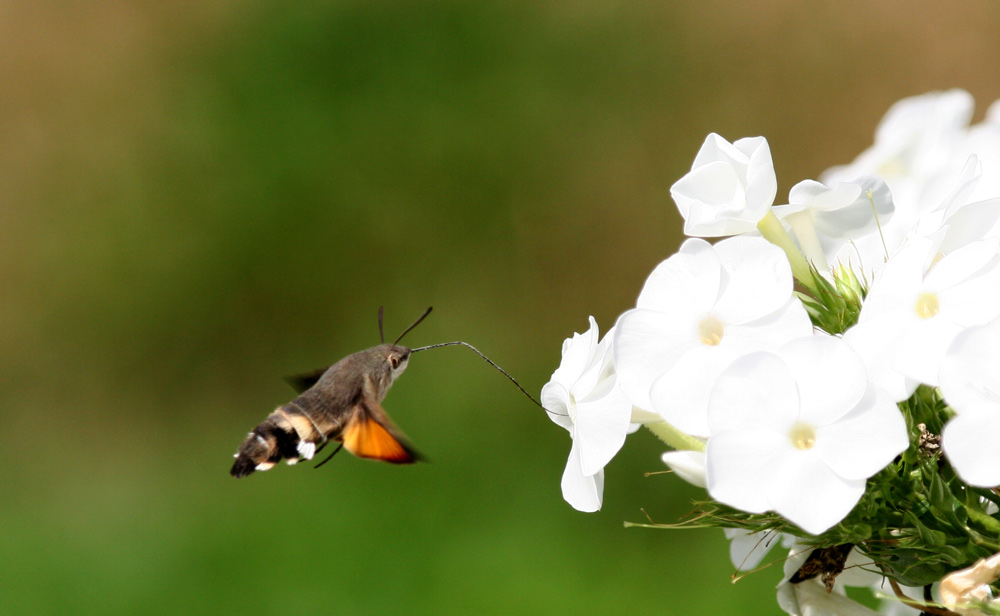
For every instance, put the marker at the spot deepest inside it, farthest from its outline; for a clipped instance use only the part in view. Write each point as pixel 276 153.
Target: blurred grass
pixel 197 198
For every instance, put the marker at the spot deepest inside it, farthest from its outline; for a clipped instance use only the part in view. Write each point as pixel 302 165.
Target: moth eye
pixel 393 361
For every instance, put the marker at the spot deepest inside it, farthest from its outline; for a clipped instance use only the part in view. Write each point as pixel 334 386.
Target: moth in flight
pixel 341 404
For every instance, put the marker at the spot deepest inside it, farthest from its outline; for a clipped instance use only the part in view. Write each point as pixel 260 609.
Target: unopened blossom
pixel 584 398
pixel 799 432
pixel 970 384
pixel 729 189
pixel 917 305
pixel 698 311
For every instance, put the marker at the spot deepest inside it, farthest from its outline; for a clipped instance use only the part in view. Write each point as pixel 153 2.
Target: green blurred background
pixel 197 198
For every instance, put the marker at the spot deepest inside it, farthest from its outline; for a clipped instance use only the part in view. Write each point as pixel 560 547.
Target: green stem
pixel 772 230
pixel 670 435
pixel 805 232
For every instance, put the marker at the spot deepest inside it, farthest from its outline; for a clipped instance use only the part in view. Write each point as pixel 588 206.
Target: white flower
pixel 970 383
pixel 915 143
pixel 585 397
pixel 811 598
pixel 799 432
pixel 699 310
pixel 916 307
pixel 823 219
pixel 920 152
pixel 729 189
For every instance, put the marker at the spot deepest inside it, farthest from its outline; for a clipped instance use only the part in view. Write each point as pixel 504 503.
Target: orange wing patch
pixel 367 438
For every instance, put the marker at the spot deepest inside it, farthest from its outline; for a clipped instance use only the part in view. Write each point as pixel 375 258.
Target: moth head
pixel 396 359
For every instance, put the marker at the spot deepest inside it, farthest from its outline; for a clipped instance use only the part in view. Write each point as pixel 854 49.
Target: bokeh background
pixel 197 198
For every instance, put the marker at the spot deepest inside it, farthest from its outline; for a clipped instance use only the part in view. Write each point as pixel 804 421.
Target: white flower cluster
pixel 721 359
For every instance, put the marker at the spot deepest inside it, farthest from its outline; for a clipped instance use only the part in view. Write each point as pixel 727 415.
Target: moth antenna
pixel 415 323
pixel 492 363
pixel 381 333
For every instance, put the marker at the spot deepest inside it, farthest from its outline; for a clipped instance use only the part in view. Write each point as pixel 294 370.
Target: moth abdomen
pixel 287 433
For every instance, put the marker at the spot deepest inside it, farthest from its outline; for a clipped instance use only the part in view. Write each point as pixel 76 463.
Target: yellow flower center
pixel 711 330
pixel 927 305
pixel 803 436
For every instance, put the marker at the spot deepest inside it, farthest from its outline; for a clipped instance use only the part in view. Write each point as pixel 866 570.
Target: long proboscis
pixel 492 363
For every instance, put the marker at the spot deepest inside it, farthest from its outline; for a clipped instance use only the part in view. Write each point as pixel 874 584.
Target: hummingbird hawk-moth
pixel 342 404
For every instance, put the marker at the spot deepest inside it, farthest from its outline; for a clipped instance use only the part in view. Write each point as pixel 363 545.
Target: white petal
pixel 747 549
pixel 687 283
pixel 688 465
pixel 712 200
pixel 762 183
pixel 601 426
pixel 970 372
pixel 759 280
pixel 974 301
pixel 555 398
pixel 872 208
pixel 947 111
pixel 577 356
pixel 647 344
pixel 969 440
pixel 831 377
pixel 583 492
pixel 809 494
pixel 965 186
pixel 756 392
pixel 919 353
pixel 897 285
pixel 789 322
pixel 716 148
pixel 818 196
pixel 966 262
pixel 865 440
pixel 969 224
pixel 875 343
pixel 681 394
pixel 739 464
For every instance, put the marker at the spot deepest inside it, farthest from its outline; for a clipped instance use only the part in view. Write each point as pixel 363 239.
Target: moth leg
pixel 330 457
